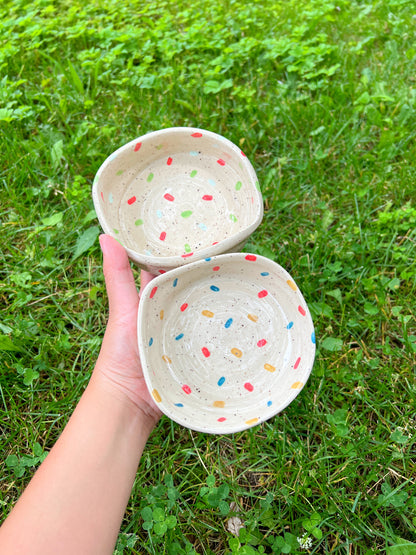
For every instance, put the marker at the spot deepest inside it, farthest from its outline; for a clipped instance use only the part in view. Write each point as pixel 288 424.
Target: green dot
pixel 150 177
pixel 233 218
pixel 116 231
pixel 138 222
pixel 238 185
pixel 258 186
pixel 193 173
pixel 120 172
pixel 186 213
pixel 187 247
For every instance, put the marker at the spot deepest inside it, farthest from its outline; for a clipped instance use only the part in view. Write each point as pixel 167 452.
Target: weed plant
pixel 321 95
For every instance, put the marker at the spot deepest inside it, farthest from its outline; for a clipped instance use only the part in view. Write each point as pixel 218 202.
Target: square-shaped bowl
pixel 177 195
pixel 225 343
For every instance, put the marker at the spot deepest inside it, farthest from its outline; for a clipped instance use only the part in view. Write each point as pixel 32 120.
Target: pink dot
pixel 302 310
pixel 137 147
pixel 102 196
pixel 131 200
pixel 187 389
pixel 262 294
pixel 169 197
pixel 216 268
pixel 221 162
pixel 251 257
pixel 222 419
pixel 196 135
pixel 207 197
pixel 162 236
pixel 296 363
pixel 261 343
pixel 184 307
pixel 248 386
pixel 169 161
pixel 205 352
pixel 153 292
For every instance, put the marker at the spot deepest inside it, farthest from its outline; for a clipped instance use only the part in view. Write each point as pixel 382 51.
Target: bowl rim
pixel 174 261
pixel 160 279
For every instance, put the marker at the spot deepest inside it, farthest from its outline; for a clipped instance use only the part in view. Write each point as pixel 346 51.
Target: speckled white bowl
pixel 177 195
pixel 225 343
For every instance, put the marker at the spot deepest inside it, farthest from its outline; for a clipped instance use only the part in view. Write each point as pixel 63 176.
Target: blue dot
pixel 178 405
pixel 221 381
pixel 290 325
pixel 175 282
pixel 228 322
pixel 269 403
pixel 202 226
pixel 214 288
pixel 264 274
pixel 193 153
pixel 159 213
pixel 313 337
pixel 208 259
pixel 150 341
pixel 211 182
pixel 179 336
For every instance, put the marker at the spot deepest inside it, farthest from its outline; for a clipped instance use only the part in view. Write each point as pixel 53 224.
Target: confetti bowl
pixel 177 195
pixel 225 343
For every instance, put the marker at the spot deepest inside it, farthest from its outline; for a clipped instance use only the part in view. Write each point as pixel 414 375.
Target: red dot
pixel 261 343
pixel 242 153
pixel 222 419
pixel 169 161
pixel 169 197
pixel 302 310
pixel 216 268
pixel 184 307
pixel 221 162
pixel 162 271
pixel 296 363
pixel 207 197
pixel 187 389
pixel 262 294
pixel 248 386
pixel 162 236
pixel 152 292
pixel 187 254
pixel 137 147
pixel 251 257
pixel 102 196
pixel 205 352
pixel 196 135
pixel 131 200
pixel 215 243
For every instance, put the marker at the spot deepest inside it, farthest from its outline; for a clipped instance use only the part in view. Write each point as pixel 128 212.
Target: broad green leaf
pixel 6 344
pixel 86 241
pixel 54 219
pixel 332 344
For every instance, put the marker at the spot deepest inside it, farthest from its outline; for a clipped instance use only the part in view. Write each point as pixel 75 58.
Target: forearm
pixel 77 498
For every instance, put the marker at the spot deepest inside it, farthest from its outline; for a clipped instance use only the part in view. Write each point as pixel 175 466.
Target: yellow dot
pixel 207 313
pixel 166 359
pixel 219 404
pixel 162 314
pixel 269 368
pixel 291 284
pixel 236 352
pixel 252 317
pixel 156 396
pixel 297 385
pixel 252 421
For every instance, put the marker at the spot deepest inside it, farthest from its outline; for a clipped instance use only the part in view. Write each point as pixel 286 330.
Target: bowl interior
pixel 177 191
pixel 227 343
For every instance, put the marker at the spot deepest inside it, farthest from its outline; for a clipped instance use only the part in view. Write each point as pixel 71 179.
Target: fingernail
pixel 103 243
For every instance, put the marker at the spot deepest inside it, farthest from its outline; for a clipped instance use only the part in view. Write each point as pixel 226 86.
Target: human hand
pixel 119 362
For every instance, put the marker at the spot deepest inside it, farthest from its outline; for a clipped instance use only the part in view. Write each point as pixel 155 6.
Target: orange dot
pixel 297 385
pixel 291 284
pixel 252 317
pixel 236 352
pixel 219 404
pixel 166 359
pixel 252 421
pixel 156 396
pixel 269 368
pixel 207 313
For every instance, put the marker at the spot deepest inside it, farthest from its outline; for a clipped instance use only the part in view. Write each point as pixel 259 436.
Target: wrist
pixel 121 396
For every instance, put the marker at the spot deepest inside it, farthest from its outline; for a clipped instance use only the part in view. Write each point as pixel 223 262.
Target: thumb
pixel 119 279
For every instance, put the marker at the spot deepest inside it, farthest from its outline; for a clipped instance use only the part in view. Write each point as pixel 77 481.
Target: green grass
pixel 322 98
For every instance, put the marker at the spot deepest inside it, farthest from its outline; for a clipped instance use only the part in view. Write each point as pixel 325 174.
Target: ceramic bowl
pixel 225 343
pixel 177 195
